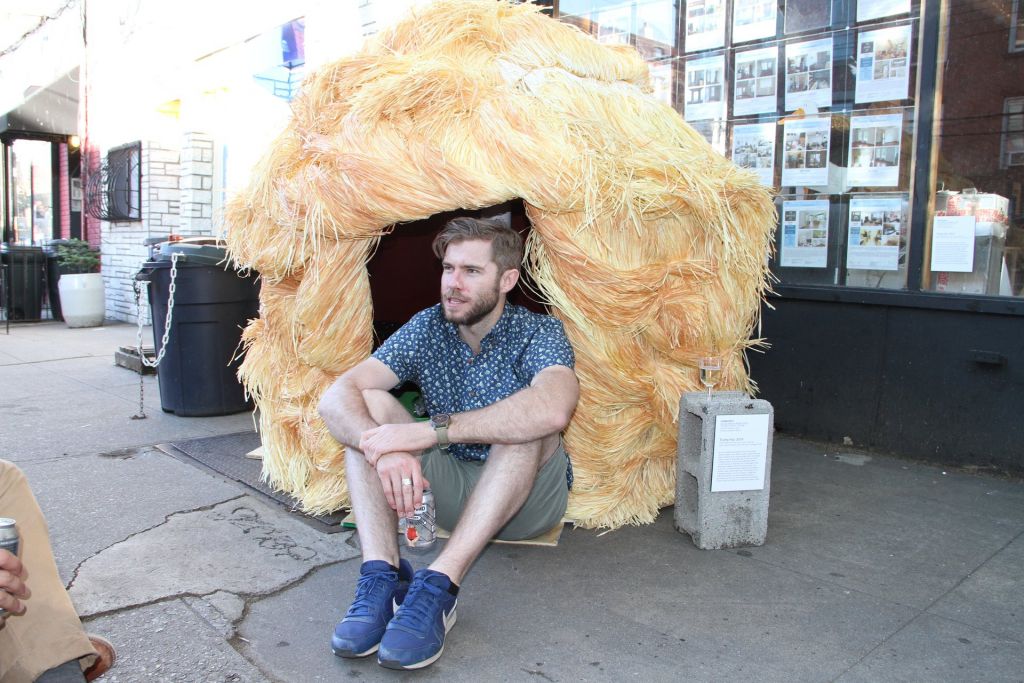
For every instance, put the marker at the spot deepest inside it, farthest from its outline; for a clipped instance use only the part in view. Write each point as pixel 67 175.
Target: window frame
pixel 1016 28
pixel 1007 134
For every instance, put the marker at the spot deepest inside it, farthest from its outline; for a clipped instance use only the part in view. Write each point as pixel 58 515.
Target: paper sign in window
pixel 953 244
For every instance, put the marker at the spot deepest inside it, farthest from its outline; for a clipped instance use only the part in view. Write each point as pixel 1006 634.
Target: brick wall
pixel 196 217
pixel 65 192
pixel 177 197
pixel 122 248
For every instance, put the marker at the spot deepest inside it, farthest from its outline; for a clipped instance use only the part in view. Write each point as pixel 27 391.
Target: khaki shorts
pixel 452 480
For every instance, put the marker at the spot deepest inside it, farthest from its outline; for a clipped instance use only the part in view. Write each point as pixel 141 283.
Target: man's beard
pixel 480 310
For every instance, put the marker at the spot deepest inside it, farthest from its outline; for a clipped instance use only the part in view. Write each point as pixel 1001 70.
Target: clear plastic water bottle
pixel 420 529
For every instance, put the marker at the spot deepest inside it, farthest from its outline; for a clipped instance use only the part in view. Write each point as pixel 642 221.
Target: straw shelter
pixel 648 245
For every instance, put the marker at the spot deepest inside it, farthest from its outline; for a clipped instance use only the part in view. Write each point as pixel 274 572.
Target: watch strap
pixel 442 437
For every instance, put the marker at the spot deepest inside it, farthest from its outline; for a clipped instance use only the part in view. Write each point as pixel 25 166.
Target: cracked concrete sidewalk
pixel 874 569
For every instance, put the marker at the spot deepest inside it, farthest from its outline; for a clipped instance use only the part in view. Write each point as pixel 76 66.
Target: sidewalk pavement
pixel 875 568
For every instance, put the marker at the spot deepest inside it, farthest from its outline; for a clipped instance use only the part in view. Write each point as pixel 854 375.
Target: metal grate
pixel 113 192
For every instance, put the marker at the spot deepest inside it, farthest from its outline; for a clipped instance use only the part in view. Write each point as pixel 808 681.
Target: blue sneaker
pixel 379 592
pixel 415 637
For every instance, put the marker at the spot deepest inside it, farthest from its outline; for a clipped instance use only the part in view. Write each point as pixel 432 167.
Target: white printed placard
pixel 705 89
pixel 809 75
pixel 875 150
pixel 740 457
pixel 953 244
pixel 883 67
pixel 753 147
pixel 805 151
pixel 804 234
pixel 757 76
pixel 876 228
pixel 705 25
pixel 876 9
pixel 753 19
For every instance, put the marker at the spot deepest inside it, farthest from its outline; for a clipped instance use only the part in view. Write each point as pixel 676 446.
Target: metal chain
pixel 138 348
pixel 141 415
pixel 136 285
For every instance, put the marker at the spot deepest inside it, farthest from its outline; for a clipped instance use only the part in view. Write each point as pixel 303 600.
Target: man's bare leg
pixel 503 487
pixel 376 522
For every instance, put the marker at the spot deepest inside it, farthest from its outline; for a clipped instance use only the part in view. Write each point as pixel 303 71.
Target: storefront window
pixel 816 97
pixel 975 243
pixel 1017 28
pixel 30 191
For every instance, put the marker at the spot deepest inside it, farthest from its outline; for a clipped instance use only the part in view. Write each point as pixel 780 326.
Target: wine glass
pixel 710 371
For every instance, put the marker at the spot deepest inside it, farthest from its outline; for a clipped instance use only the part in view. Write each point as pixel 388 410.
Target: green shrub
pixel 76 256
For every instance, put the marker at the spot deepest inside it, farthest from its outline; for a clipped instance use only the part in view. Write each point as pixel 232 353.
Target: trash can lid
pixel 206 251
pixel 24 248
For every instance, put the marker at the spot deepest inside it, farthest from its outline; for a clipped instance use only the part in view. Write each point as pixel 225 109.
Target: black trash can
pixel 211 306
pixel 53 276
pixel 23 281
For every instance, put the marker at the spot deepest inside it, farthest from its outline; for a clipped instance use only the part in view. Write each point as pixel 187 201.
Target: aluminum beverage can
pixel 421 527
pixel 8 542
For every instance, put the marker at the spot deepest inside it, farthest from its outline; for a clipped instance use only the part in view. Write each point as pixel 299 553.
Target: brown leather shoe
pixel 106 659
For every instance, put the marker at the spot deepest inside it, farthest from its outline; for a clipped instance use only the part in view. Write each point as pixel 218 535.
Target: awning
pixel 52 110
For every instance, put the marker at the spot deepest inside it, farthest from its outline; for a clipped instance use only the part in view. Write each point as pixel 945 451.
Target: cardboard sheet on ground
pixel 548 538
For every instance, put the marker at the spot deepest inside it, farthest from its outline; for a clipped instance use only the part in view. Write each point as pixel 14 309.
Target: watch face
pixel 440 419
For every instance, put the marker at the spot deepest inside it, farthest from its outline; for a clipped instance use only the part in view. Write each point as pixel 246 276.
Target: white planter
pixel 81 299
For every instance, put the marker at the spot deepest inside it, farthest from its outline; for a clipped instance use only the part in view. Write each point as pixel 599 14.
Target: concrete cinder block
pixel 721 519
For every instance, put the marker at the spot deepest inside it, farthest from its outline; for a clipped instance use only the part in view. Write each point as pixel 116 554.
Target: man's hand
pixel 394 470
pixel 396 438
pixel 12 583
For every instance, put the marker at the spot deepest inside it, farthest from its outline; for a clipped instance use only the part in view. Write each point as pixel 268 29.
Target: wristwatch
pixel 440 423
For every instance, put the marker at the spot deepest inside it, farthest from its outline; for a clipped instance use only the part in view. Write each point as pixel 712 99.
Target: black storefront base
pixel 934 384
pixel 197 375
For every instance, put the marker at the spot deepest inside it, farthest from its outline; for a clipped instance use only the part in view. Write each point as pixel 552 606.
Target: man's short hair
pixel 506 244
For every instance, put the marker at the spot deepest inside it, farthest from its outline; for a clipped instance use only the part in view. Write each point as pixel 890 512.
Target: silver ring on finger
pixel 407 482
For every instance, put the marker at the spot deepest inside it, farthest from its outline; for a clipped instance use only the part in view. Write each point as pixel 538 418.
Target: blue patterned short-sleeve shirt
pixel 429 352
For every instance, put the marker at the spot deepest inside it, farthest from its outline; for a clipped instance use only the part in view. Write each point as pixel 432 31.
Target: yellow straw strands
pixel 649 246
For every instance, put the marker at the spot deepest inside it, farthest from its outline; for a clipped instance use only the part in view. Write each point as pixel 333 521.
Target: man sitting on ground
pixel 498 384
pixel 42 639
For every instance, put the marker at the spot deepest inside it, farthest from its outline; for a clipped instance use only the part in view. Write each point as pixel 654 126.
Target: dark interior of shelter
pixel 405 276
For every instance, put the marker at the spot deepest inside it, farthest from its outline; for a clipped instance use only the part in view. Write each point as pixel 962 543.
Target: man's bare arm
pixel 539 410
pixel 343 407
pixel 543 408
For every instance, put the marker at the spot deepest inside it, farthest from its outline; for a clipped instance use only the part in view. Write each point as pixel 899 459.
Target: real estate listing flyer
pixel 705 25
pixel 876 9
pixel 753 147
pixel 804 234
pixel 705 89
pixel 883 68
pixel 875 150
pixel 876 228
pixel 809 75
pixel 805 151
pixel 753 19
pixel 757 75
